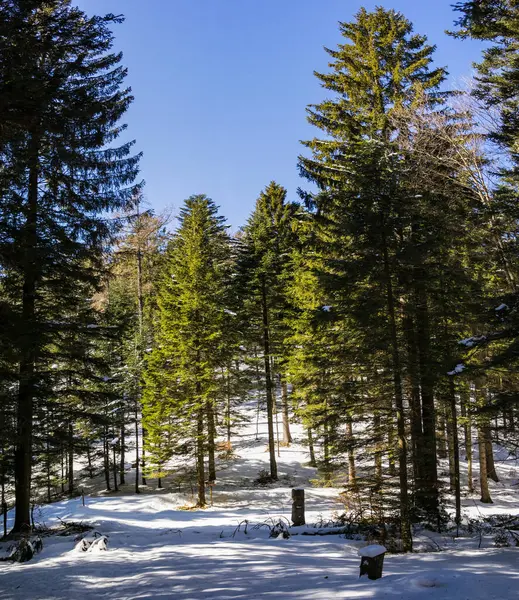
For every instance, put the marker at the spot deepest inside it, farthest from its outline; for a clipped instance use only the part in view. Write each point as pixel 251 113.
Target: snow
pixel 154 549
pixel 457 369
pixel 501 307
pixel 472 341
pixel 372 550
pixel 327 308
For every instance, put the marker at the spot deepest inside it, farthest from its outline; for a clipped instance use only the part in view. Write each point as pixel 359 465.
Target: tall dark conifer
pixel 63 176
pixel 268 238
pixel 361 206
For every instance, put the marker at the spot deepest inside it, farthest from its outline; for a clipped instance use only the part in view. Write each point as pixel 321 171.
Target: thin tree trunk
pixel 450 442
pixel 47 468
pixel 140 305
pixel 378 450
pixel 415 401
pixel 122 454
pixel 467 429
pixel 258 391
pixel 287 437
pixel 405 520
pixel 114 467
pixel 441 437
pixel 268 382
pixel 392 445
pixel 228 411
pixel 89 459
pixel 143 455
pixel 70 459
pixel 326 452
pixel 137 489
pixel 454 441
pixel 483 479
pixel 106 461
pixel 200 467
pixel 3 503
pixel 352 472
pixel 427 496
pixel 311 450
pixel 211 434
pixel 63 471
pixel 489 451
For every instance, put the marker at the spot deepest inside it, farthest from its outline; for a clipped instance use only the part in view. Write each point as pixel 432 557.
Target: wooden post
pixel 4 510
pixel 298 506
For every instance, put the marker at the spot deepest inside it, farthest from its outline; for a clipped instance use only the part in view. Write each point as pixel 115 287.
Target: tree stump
pixel 372 561
pixel 298 506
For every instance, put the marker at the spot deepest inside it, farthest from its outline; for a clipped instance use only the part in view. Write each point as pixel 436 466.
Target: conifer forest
pixel 358 339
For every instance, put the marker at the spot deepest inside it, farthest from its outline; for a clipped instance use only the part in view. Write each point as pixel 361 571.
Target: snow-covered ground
pixel 157 550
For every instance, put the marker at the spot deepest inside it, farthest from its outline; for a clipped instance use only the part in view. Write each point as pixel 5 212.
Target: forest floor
pixel 158 549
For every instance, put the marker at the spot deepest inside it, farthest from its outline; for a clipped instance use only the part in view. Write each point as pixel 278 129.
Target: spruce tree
pixel 183 375
pixel 266 244
pixel 361 209
pixel 64 174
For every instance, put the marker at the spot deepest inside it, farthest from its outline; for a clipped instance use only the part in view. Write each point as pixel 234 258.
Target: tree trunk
pixel 378 448
pixel 114 467
pixel 489 451
pixel 392 445
pixel 441 438
pixel 228 411
pixel 311 450
pixel 48 473
pixel 415 401
pixel 483 478
pixel 326 452
pixel 200 467
pixel 268 382
pixel 287 437
pixel 63 471
pixel 467 429
pixel 454 442
pixel 140 305
pixel 89 459
pixel 427 496
pixel 28 351
pixel 405 520
pixel 106 461
pixel 70 459
pixel 137 489
pixel 143 455
pixel 352 473
pixel 3 503
pixel 211 434
pixel 450 442
pixel 122 458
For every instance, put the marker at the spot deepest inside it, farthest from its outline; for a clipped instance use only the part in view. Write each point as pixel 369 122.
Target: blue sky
pixel 221 87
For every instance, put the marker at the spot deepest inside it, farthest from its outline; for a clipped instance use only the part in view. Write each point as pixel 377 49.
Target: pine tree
pixel 63 176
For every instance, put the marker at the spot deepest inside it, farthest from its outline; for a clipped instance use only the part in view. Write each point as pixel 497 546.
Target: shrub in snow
pixel 280 531
pixel 263 478
pixel 95 542
pixel 22 552
pixel 502 539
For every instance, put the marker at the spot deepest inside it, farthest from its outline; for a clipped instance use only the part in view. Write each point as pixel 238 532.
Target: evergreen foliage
pixel 183 376
pixel 65 95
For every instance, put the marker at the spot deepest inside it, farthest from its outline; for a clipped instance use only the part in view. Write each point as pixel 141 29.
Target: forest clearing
pixel 317 398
